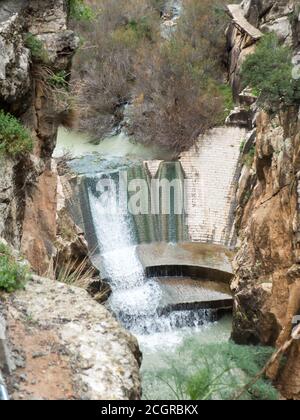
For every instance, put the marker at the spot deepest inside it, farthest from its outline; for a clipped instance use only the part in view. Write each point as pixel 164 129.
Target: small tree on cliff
pixel 269 72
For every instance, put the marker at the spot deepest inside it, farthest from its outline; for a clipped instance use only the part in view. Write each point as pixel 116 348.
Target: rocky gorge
pixel 252 213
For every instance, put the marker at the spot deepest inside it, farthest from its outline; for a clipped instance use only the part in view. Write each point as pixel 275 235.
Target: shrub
pixel 180 82
pixel 217 371
pixel 103 69
pixel 12 274
pixel 228 102
pixel 174 84
pixel 14 138
pixel 248 159
pixel 179 100
pixel 269 72
pixel 59 80
pixel 36 47
pixel 80 11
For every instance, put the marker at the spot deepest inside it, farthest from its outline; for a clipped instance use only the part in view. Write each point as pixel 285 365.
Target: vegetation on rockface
pixel 174 84
pixel 36 47
pixel 216 371
pixel 15 140
pixel 74 272
pixel 79 10
pixel 59 80
pixel 13 274
pixel 249 157
pixel 269 72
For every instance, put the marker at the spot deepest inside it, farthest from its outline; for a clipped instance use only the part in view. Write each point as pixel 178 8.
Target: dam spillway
pixel 133 250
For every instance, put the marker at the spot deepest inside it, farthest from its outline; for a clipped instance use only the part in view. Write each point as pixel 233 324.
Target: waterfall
pixel 134 297
pixel 114 235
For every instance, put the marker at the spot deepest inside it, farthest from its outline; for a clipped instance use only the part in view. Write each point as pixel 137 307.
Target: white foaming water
pixel 114 238
pixel 135 299
pixel 133 296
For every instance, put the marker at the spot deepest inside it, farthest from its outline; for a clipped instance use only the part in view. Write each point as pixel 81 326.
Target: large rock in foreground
pixel 67 346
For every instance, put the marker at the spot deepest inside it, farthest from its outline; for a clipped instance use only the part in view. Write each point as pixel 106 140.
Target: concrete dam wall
pixel 213 169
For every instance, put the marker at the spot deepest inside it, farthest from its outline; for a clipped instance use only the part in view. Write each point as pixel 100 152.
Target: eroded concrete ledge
pixel 181 294
pixel 195 260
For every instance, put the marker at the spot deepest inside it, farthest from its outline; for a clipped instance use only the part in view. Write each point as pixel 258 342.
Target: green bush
pixel 14 138
pixel 12 274
pixel 142 28
pixel 249 157
pixel 216 371
pixel 269 72
pixel 80 11
pixel 59 80
pixel 36 48
pixel 227 95
pixel 242 145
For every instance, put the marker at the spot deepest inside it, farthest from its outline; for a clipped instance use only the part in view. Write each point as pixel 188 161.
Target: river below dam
pixel 143 304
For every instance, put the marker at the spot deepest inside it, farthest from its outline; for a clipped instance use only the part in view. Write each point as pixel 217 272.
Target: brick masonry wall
pixel 212 169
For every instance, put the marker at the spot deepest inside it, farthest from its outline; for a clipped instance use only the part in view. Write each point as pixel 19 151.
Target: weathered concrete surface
pixel 72 347
pixel 212 171
pixel 185 293
pixel 213 168
pixel 211 257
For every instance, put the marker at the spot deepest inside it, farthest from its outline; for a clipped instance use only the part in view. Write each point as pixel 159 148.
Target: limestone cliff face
pixel 28 186
pixel 267 265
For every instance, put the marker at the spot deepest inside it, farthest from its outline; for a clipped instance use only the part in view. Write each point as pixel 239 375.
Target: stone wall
pixel 212 169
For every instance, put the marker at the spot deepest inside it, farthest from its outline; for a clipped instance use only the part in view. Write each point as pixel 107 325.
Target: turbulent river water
pixel 136 299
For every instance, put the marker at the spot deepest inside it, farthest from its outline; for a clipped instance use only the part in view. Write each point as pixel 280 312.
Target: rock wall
pixel 267 265
pixel 28 185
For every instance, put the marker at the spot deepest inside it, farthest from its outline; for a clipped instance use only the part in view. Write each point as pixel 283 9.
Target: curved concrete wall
pixel 196 260
pixel 213 169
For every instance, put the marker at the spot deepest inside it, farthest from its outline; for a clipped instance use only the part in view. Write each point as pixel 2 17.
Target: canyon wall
pixel 28 184
pixel 267 265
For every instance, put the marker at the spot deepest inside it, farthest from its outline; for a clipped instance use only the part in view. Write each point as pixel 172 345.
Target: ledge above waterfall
pixel 196 260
